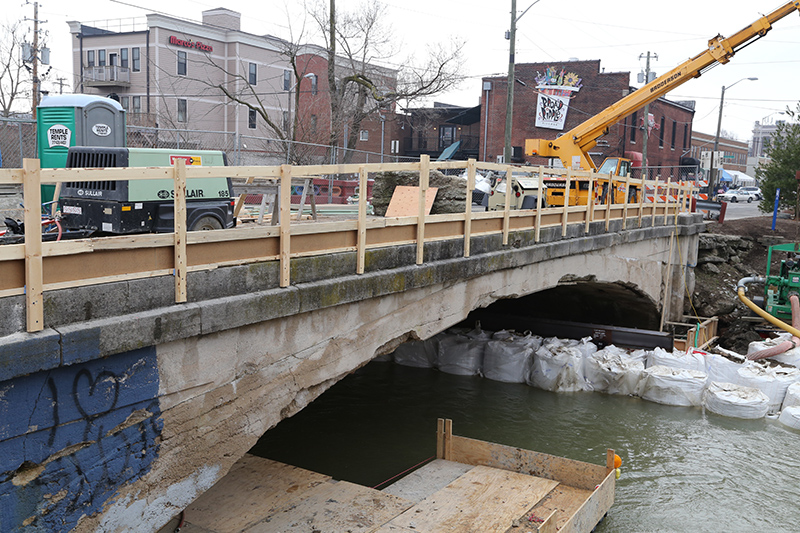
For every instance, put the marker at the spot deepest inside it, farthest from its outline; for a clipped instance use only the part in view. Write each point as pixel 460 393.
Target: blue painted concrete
pixel 65 445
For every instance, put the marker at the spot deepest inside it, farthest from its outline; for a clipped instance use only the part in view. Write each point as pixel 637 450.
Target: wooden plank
pixel 180 230
pixel 34 273
pixel 565 215
pixel 540 198
pixel 253 488
pixel 468 213
pixel 405 201
pixel 483 499
pixel 574 473
pixel 12 175
pixel 285 218
pixel 102 264
pixel 594 508
pixel 362 220
pixel 333 508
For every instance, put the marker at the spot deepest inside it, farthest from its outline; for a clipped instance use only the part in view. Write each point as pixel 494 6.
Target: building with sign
pixel 733 153
pixel 173 74
pixel 552 98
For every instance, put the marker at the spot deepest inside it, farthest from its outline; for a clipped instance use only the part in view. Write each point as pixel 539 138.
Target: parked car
pixel 736 195
pixel 756 191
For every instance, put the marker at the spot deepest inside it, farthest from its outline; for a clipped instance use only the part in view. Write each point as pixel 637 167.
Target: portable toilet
pixel 65 120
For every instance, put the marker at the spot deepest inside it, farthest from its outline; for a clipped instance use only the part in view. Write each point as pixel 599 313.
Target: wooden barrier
pixel 36 266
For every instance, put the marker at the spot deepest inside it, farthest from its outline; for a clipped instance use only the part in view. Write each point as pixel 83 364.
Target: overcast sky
pixel 616 33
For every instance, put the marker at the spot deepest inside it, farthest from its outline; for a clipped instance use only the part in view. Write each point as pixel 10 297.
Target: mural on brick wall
pixel 555 88
pixel 70 437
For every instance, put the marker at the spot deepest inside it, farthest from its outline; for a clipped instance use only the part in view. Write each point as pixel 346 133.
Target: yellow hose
pixel 766 316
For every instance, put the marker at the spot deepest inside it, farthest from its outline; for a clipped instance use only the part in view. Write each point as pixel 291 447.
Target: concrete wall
pixel 124 420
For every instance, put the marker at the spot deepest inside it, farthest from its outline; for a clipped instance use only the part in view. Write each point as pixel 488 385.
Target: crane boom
pixel 573 146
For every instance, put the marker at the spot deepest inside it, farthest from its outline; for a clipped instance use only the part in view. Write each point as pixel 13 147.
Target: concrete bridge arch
pixel 167 399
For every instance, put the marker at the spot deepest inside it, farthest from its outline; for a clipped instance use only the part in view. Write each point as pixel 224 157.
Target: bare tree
pixel 356 44
pixel 13 75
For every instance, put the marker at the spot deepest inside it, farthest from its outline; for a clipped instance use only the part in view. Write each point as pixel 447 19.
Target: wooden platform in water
pixel 474 486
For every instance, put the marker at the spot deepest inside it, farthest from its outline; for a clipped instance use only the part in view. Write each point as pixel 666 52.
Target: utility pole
pixel 646 133
pixel 61 85
pixel 512 37
pixel 34 59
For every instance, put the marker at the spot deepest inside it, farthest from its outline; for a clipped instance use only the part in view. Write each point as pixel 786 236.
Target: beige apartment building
pixel 168 73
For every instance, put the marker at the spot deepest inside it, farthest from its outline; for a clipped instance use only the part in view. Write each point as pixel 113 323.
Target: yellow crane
pixel 573 146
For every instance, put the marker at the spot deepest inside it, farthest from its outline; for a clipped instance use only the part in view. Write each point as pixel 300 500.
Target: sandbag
pixel 790 417
pixel 461 355
pixel 736 401
pixel 771 381
pixel 613 371
pixel 792 397
pixel 722 369
pixel 691 360
pixel 419 354
pixel 672 386
pixel 508 360
pixel 558 367
pixel 791 357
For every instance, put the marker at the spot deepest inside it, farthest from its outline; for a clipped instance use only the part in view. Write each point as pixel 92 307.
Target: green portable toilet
pixel 65 120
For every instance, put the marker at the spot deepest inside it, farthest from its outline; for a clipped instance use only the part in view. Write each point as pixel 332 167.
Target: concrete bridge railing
pixel 126 405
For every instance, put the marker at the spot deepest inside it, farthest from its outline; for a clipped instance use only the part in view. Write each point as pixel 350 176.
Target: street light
pixel 712 183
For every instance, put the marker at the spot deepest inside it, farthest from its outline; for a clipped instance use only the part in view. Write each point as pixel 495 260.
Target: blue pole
pixel 775 209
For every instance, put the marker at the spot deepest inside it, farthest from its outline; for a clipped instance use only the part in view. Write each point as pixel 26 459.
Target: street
pixel 743 210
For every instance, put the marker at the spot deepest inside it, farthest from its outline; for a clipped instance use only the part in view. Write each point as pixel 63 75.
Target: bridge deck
pixel 261 495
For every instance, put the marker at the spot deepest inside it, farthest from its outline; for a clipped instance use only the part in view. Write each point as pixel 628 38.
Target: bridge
pixel 135 370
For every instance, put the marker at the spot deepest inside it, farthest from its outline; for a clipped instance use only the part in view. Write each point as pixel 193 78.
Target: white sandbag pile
pixel 419 354
pixel 736 401
pixel 790 357
pixel 613 371
pixel 721 368
pixel 672 386
pixel 508 357
pixel 792 397
pixel 790 417
pixel 558 365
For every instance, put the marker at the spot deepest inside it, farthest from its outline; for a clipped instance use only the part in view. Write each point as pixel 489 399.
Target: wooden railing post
pixel 362 219
pixel 590 203
pixel 539 202
pixel 507 208
pixel 565 212
pixel 468 208
pixel 424 179
pixel 285 220
pixel 34 275
pixel 179 206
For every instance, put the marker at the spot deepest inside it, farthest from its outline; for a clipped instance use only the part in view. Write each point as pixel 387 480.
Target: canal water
pixel 684 470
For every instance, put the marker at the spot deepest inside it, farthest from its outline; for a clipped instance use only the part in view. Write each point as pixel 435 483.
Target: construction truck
pixel 572 147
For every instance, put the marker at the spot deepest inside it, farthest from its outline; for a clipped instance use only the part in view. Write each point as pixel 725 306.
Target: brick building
pixel 589 91
pixel 734 153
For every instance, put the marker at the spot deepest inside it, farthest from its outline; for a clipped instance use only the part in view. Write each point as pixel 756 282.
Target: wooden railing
pixel 36 266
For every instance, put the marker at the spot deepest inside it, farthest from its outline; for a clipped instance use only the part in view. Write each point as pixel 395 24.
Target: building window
pixel 661 133
pixel 286 121
pixel 363 135
pixel 181 63
pixel 634 127
pixel 314 88
pixel 125 103
pixel 90 58
pixel 123 57
pixel 135 59
pixel 685 136
pixel 101 58
pixel 287 80
pixel 137 104
pixel 313 123
pixel 251 119
pixel 674 132
pixel 181 110
pixel 253 74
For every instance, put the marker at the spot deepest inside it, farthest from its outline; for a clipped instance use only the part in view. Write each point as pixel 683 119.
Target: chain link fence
pixel 17 142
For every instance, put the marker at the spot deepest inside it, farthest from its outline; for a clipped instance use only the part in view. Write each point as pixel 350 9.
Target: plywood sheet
pixel 565 500
pixel 334 507
pixel 484 499
pixel 254 488
pixel 405 201
pixel 425 481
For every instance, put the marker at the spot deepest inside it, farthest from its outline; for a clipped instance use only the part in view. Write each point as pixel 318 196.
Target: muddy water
pixel 683 470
